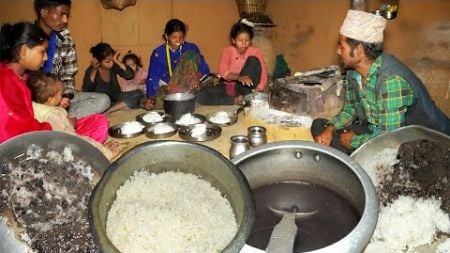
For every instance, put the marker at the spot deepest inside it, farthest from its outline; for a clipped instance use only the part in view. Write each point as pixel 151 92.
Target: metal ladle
pixel 242 106
pixel 204 78
pixel 283 235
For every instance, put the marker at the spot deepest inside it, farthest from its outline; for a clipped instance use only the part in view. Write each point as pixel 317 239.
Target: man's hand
pixel 326 136
pixel 346 139
pixel 65 103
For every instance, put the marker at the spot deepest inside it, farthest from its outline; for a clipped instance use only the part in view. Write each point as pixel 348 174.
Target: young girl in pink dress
pixel 241 66
pixel 22 47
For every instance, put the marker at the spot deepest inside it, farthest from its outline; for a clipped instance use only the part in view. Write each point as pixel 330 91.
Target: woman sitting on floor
pixel 175 66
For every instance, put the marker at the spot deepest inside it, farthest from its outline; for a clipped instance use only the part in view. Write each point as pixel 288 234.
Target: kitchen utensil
pixel 301 161
pixel 232 116
pixel 200 119
pixel 284 233
pixel 151 133
pixel 180 156
pixel 178 104
pixel 242 106
pixel 116 131
pixel 257 135
pixel 239 144
pixel 16 147
pixel 212 132
pixel 165 118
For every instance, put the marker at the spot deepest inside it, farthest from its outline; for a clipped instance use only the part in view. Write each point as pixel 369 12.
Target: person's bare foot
pixel 113 146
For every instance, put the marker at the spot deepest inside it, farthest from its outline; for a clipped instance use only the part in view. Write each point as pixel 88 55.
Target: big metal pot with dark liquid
pixel 280 172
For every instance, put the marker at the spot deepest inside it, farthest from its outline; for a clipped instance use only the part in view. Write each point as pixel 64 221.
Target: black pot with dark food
pixel 178 104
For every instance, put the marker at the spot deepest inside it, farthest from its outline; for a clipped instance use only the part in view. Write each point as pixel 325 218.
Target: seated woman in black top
pixel 101 76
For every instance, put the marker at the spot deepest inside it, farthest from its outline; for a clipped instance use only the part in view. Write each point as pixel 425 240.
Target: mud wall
pixel 306 31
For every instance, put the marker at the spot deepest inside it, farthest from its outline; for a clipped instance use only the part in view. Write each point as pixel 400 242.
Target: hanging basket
pixel 117 4
pixel 246 7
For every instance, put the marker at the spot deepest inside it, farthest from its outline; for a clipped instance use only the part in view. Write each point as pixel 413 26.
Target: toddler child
pixel 133 61
pixel 47 92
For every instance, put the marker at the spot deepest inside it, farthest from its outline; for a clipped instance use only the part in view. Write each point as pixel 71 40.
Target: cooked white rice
pixel 152 117
pixel 188 119
pixel 408 222
pixel 444 247
pixel 162 129
pixel 220 118
pixel 198 130
pixel 131 127
pixel 170 212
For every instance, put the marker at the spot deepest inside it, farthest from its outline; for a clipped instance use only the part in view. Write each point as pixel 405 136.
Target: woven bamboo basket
pixel 246 7
pixel 117 4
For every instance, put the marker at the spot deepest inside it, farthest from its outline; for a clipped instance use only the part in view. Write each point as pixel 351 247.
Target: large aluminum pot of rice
pixel 171 196
pixel 319 184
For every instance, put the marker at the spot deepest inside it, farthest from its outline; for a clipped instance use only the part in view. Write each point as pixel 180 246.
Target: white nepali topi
pixel 363 26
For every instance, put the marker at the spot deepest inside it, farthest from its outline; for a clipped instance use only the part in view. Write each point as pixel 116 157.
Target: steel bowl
pixel 291 161
pixel 159 156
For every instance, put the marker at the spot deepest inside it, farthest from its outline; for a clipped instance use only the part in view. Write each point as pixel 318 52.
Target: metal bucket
pixel 291 161
pixel 48 141
pixel 178 104
pixel 159 156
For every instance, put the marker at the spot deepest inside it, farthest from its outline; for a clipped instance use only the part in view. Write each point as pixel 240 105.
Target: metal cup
pixel 239 144
pixel 257 135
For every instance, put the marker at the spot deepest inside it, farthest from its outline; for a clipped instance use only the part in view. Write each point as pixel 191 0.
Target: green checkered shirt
pixel 385 111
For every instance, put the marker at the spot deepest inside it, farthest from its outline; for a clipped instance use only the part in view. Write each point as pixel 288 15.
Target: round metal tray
pixel 232 116
pixel 116 131
pixel 150 132
pixel 166 118
pixel 213 131
pixel 202 119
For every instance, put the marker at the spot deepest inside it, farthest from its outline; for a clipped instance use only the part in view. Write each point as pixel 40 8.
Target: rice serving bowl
pixel 161 213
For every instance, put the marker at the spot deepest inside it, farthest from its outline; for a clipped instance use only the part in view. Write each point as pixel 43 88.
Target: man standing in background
pixel 53 17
